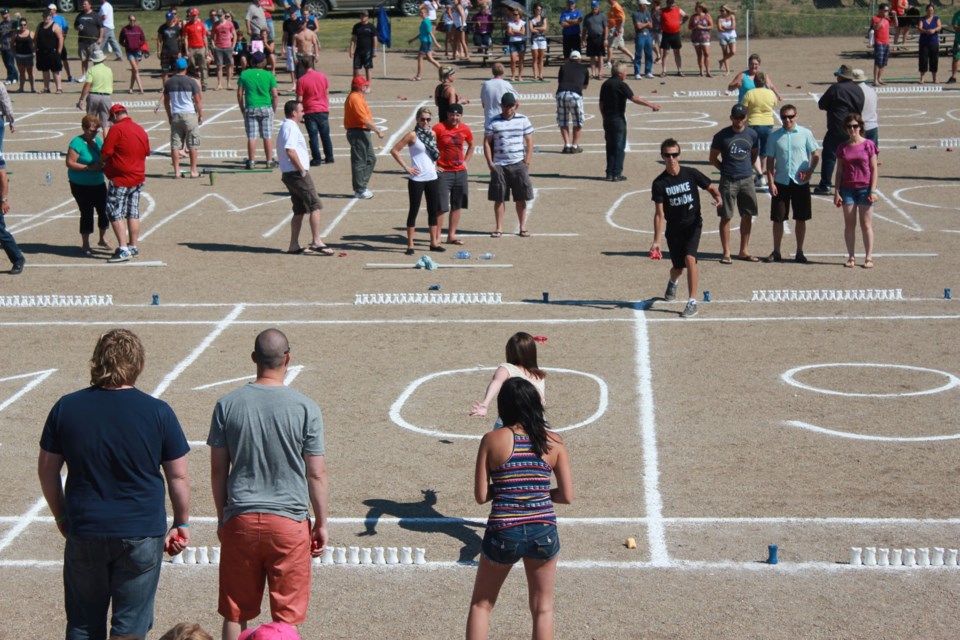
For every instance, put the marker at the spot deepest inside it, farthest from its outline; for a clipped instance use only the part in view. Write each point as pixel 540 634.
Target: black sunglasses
pixel 788 116
pixel 671 155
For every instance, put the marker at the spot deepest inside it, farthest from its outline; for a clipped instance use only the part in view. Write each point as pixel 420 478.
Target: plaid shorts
pixel 569 109
pixel 258 119
pixel 881 53
pixel 123 202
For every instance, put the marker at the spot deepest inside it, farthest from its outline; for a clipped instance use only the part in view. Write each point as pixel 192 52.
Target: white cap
pixel 574 55
pixel 52 6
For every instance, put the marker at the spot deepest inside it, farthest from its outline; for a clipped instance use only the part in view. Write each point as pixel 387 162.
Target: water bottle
pixel 463 255
pixel 48 179
pixel 486 256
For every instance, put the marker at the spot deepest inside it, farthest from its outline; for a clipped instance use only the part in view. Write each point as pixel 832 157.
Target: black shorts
pixel 454 191
pixel 510 179
pixel 791 196
pixel 363 60
pixel 596 48
pixel 683 241
pixel 671 41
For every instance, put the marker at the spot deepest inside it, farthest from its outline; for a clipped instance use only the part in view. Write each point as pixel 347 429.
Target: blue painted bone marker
pixel 772 559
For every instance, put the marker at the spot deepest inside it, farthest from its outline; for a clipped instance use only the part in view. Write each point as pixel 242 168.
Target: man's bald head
pixel 497 70
pixel 270 349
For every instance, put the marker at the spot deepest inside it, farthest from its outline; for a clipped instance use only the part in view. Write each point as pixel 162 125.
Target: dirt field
pixel 814 425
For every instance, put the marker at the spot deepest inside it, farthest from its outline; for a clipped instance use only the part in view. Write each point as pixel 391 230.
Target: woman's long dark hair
pixel 522 351
pixel 519 403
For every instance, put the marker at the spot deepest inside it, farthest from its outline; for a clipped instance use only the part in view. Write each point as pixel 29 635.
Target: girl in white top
pixel 727 34
pixel 422 177
pixel 521 363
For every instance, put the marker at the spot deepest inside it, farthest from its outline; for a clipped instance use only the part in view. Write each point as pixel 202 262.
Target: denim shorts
pixel 854 195
pixel 534 541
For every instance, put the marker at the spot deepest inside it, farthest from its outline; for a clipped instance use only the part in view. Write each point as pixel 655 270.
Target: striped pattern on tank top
pixel 521 489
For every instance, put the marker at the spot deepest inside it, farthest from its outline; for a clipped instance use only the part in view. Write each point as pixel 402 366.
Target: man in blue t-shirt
pixel 734 152
pixel 570 21
pixel 115 440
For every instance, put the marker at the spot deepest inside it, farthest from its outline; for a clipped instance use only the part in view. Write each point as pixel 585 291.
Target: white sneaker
pixel 363 195
pixel 638 76
pixel 649 75
pixel 82 79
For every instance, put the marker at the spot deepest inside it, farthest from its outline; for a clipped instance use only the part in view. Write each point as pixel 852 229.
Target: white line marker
pixel 656 535
pixel 206 121
pixel 231 207
pixel 913 226
pixel 861 436
pixel 40 376
pixel 292 374
pixel 789 378
pixel 22 523
pixel 190 359
pixel 401 131
pixel 100 264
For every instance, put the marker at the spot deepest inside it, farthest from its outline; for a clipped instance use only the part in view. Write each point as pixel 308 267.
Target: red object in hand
pixel 540 339
pixel 655 254
pixel 315 545
pixel 179 539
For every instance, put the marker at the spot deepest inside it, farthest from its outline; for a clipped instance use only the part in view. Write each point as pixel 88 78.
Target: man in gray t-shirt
pixel 266 464
pixel 256 20
pixel 734 152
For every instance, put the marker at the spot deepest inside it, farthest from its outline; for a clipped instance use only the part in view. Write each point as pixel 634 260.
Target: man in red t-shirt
pixel 880 24
pixel 671 21
pixel 124 156
pixel 312 88
pixel 195 34
pixel 455 143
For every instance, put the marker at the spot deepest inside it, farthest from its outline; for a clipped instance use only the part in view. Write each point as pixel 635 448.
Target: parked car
pixel 321 8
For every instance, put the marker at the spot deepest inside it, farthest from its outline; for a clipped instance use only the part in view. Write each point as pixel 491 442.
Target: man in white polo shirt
pixel 294 167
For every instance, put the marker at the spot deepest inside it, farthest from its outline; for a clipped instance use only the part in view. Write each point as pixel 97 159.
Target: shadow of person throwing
pixel 423 517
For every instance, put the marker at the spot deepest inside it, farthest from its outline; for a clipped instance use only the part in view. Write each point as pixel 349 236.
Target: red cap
pixel 117 108
pixel 193 12
pixel 359 82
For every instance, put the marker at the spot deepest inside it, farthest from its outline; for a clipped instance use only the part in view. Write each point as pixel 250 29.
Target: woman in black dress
pixel 49 42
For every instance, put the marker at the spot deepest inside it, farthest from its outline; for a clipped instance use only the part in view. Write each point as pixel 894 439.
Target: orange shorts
pixel 258 547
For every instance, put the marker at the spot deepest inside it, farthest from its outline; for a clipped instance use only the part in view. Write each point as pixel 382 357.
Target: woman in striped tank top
pixel 514 465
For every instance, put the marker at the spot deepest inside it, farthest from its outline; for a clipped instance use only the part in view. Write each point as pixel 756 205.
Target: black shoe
pixel 951 80
pixel 802 259
pixel 17 267
pixel 821 190
pixel 618 178
pixel 774 257
pixel 316 163
pixel 328 161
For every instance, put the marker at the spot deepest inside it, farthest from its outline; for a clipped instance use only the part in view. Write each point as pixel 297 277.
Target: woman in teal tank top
pixel 513 470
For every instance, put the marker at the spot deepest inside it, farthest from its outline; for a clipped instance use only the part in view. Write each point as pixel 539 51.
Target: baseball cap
pixel 181 64
pixel 508 100
pixel 171 15
pixel 595 3
pixel 738 111
pixel 258 57
pixel 359 82
pixel 574 55
pixel 4 11
pixel 52 7
pixel 271 631
pixel 117 108
pixel 456 107
pixel 571 1
pixel 644 2
pixel 193 12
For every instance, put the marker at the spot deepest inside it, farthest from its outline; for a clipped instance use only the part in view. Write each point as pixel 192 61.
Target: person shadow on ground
pixel 423 517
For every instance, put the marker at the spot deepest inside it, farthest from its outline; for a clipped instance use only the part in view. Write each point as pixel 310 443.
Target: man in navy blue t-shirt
pixel 115 440
pixel 734 151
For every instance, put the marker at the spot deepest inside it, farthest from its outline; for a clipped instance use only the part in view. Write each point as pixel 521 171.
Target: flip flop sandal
pixel 496 234
pixel 320 250
pixel 726 260
pixel 524 233
pixel 457 242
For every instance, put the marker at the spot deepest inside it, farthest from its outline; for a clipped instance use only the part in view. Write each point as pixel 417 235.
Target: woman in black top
pixel 49 41
pixel 23 51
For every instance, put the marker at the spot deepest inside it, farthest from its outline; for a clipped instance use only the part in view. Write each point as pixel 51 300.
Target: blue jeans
pixel 318 129
pixel 8 243
pixel 828 158
pixel 98 572
pixel 615 134
pixel 644 44
pixel 10 62
pixel 535 541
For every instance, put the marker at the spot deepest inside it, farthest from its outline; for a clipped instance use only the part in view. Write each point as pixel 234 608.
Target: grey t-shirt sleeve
pixel 215 437
pixel 313 441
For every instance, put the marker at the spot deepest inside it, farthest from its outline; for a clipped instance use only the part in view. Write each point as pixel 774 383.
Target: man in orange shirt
pixel 358 121
pixel 195 33
pixel 615 19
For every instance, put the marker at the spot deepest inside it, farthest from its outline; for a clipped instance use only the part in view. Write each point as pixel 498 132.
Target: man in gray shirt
pixel 266 463
pixel 256 20
pixel 734 152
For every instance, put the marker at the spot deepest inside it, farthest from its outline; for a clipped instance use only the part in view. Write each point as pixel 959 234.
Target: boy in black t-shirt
pixel 675 192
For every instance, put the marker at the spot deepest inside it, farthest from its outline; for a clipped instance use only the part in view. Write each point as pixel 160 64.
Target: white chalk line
pixel 99 264
pixel 292 374
pixel 22 523
pixel 38 377
pixel 862 436
pixel 653 501
pixel 21 225
pixel 402 130
pixel 913 226
pixel 205 122
pixel 466 321
pixel 198 351
pixel 789 377
pixel 231 207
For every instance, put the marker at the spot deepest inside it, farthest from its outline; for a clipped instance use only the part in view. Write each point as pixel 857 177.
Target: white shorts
pixel 538 45
pixel 727 37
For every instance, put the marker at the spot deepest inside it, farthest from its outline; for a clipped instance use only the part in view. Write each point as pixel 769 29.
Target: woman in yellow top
pixel 760 103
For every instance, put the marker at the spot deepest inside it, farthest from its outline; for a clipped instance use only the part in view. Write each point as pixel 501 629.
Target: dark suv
pixel 321 8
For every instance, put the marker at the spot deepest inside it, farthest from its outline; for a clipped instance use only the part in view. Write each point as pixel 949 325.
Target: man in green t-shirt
pixel 257 96
pixel 955 25
pixel 97 90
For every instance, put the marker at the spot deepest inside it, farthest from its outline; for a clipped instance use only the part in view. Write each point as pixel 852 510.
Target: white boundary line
pixel 190 359
pixel 402 130
pixel 292 374
pixel 40 377
pixel 863 436
pixel 653 501
pixel 230 206
pixel 23 522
